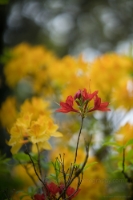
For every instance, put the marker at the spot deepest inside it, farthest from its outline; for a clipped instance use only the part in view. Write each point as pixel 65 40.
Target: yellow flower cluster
pixel 93 184
pixel 122 96
pixel 110 73
pixel 36 106
pixel 31 63
pixel 124 134
pixel 45 71
pixel 107 73
pixel 70 74
pixel 33 125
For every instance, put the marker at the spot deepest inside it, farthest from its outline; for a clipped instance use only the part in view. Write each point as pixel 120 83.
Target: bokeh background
pixel 72 27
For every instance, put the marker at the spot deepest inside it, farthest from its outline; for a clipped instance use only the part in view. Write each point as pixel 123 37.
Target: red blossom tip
pixel 99 106
pixel 67 106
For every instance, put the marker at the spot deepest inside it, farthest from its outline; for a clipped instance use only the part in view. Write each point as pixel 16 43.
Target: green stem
pixel 39 159
pixel 76 152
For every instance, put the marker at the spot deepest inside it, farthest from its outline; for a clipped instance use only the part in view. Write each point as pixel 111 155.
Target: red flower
pixel 39 197
pixel 71 192
pixel 67 106
pixel 84 95
pixel 98 105
pixel 82 99
pixel 88 96
pixel 53 188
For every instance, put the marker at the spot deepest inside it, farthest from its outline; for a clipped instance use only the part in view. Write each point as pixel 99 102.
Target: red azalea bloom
pixel 39 197
pixel 61 188
pixel 88 96
pixel 53 188
pixel 71 192
pixel 67 106
pixel 99 106
pixel 82 98
pixel 84 95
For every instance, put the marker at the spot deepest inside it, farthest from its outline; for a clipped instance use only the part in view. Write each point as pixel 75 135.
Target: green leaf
pixel 4 164
pixel 130 142
pixel 120 149
pixel 22 157
pixel 111 143
pixel 31 191
pixel 89 165
pixel 53 176
pixel 57 167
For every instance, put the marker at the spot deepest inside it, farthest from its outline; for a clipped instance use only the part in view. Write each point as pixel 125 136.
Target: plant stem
pixel 39 164
pixel 129 180
pixel 76 152
pixel 71 177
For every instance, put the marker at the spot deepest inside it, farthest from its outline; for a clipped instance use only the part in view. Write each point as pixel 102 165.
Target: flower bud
pixel 77 95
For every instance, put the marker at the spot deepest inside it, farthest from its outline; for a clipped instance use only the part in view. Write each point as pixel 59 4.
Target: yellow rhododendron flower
pixel 106 72
pixel 124 134
pixel 35 131
pixel 37 106
pixel 122 95
pixel 8 112
pixel 19 133
pixel 32 64
pixel 34 125
pixel 17 67
pixel 41 130
pixel 70 75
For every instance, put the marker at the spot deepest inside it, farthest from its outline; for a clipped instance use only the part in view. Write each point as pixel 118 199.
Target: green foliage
pixel 57 168
pixel 89 165
pixel 4 2
pixel 4 163
pixel 7 183
pixel 7 55
pixel 24 158
pixel 130 142
pixel 30 192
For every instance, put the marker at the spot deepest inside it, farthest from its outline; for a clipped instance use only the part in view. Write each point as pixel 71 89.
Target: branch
pixel 129 180
pixel 77 174
pixel 44 184
pixel 76 152
pixel 39 164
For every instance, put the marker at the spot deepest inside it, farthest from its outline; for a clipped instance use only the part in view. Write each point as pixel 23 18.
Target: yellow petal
pixel 56 134
pixel 15 148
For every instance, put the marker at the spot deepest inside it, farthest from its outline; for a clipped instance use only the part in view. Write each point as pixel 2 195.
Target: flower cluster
pixel 82 99
pixel 124 134
pixel 28 61
pixel 34 125
pixel 54 190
